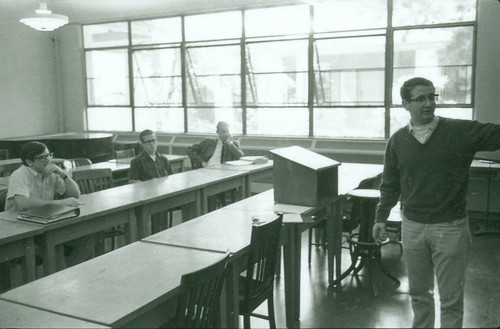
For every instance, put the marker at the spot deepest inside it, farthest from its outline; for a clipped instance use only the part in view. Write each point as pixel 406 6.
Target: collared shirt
pixel 27 182
pixel 424 132
pixel 216 157
pixel 143 167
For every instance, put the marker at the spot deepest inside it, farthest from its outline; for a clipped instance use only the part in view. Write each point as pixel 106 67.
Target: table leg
pixel 49 255
pixel 29 270
pixel 291 254
pixel 232 296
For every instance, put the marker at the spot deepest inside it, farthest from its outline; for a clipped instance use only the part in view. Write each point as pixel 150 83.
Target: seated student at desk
pixel 149 163
pixel 39 182
pixel 213 151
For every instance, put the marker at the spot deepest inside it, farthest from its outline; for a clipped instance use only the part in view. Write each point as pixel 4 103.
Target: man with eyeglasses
pixel 426 166
pixel 39 182
pixel 148 164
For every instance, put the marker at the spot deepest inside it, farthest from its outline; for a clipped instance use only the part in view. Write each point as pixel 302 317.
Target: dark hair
pixel 30 150
pixel 145 133
pixel 408 86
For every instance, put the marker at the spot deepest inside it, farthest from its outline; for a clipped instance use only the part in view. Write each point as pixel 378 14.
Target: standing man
pixel 211 151
pixel 426 166
pixel 149 163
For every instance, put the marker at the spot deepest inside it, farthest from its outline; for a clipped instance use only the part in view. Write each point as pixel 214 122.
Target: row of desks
pixel 135 285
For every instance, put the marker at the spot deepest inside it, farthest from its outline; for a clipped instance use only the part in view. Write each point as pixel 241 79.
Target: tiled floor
pixel 354 306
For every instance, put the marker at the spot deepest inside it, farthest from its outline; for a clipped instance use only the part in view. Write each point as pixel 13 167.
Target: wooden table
pixel 17 240
pixel 133 286
pixel 253 172
pixel 176 160
pixel 99 211
pixel 14 315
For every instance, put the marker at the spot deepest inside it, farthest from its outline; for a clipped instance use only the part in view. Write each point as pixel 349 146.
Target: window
pixel 270 71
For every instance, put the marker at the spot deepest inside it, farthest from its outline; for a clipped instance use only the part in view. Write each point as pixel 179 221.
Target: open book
pixel 48 213
pixel 246 160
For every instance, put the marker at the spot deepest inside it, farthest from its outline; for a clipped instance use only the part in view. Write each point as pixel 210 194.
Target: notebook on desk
pixel 48 214
pixel 246 160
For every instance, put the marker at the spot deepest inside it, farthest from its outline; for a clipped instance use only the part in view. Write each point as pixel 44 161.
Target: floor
pixel 354 306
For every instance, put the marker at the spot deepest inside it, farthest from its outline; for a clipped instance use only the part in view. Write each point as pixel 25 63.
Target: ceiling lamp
pixel 44 20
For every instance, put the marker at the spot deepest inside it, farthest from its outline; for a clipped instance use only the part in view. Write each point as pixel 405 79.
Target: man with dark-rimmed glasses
pixel 426 166
pixel 39 182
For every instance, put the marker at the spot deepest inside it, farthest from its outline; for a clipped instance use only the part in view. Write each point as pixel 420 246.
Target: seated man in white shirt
pixel 39 182
pixel 213 151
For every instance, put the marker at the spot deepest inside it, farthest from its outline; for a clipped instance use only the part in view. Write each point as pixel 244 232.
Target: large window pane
pixel 277 73
pixel 400 117
pixel 156 31
pixel 349 122
pixel 204 120
pixel 343 75
pixel 278 121
pixel 157 77
pixel 277 21
pixel 416 12
pixel 105 35
pixel 213 76
pixel 213 26
pixel 107 77
pixel 342 15
pixel 109 118
pixel 442 55
pixel 160 119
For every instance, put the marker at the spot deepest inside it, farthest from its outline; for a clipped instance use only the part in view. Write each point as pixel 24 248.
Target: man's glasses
pixel 432 98
pixel 44 156
pixel 151 141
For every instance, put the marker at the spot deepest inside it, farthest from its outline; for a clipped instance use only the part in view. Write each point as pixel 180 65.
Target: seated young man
pixel 39 182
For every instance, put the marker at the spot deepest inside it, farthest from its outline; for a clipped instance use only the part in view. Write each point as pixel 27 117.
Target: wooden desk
pixel 99 211
pixel 176 160
pixel 253 172
pixel 14 315
pixel 133 286
pixel 17 240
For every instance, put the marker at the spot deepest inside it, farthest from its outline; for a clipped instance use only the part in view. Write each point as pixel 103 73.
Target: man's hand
pixel 73 202
pixel 204 164
pixel 52 168
pixel 379 233
pixel 229 140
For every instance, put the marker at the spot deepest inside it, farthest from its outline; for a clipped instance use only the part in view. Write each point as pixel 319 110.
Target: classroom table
pixel 134 286
pixel 177 161
pixel 229 228
pixel 99 211
pixel 254 172
pixel 15 315
pixel 17 240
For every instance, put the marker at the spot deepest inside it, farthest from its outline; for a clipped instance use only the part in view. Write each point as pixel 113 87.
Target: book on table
pixel 49 213
pixel 246 160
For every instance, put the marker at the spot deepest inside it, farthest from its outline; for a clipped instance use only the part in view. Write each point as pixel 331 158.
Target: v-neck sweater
pixel 431 179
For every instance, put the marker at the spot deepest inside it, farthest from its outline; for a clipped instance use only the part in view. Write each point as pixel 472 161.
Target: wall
pixel 28 84
pixel 487 95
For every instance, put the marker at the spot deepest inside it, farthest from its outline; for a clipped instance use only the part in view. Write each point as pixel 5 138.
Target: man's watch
pixel 65 176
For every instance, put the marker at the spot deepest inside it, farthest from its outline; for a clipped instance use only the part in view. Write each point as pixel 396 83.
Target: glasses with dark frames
pixel 423 98
pixel 44 156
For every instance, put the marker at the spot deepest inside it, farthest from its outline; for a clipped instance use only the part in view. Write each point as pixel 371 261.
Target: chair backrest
pixel 4 154
pixel 123 154
pixel 77 162
pixel 93 180
pixel 3 199
pixel 199 296
pixel 262 261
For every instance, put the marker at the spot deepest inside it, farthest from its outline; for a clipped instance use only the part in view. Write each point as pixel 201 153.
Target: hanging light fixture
pixel 44 20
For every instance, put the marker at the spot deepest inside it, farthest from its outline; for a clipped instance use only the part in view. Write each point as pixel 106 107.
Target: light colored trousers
pixel 440 250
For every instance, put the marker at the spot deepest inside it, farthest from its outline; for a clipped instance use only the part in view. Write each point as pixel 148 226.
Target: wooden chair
pixel 4 154
pixel 124 154
pixel 198 301
pixel 93 180
pixel 77 162
pixel 258 283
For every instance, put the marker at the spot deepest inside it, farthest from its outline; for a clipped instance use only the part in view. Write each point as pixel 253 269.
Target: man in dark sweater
pixel 426 166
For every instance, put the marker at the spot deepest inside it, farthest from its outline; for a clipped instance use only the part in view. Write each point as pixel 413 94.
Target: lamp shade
pixel 44 20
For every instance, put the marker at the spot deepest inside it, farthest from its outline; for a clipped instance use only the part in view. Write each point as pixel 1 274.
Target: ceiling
pixel 91 11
